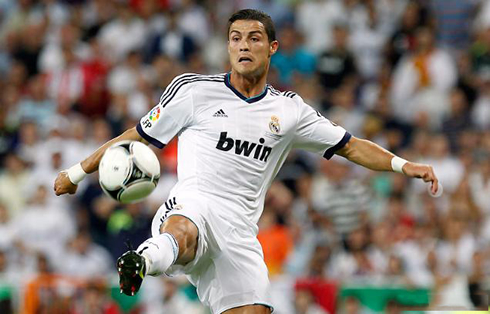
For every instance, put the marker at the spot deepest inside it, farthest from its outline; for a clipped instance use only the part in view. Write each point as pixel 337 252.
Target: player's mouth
pixel 244 60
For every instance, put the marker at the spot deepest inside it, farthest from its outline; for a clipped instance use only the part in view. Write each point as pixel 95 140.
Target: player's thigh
pixel 249 309
pixel 186 234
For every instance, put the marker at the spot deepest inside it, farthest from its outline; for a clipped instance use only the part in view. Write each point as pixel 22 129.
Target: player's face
pixel 249 48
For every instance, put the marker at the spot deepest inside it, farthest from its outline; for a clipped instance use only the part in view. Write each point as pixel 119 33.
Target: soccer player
pixel 234 133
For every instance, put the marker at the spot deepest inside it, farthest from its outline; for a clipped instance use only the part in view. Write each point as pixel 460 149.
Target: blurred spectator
pixel 291 59
pixel 393 307
pixel 52 56
pixel 174 42
pixel 192 20
pixel 31 41
pixel 323 290
pixel 95 211
pixel 480 114
pixel 315 20
pixel 19 15
pixel 421 82
pixel 357 261
pixel 43 227
pixel 391 11
pixel 367 40
pixel 448 168
pixel 476 281
pixel 453 20
pixel 336 64
pixel 132 223
pixel 480 187
pixel 14 179
pixel 126 25
pixel 467 81
pixel 37 106
pixel 272 231
pixel 123 78
pixel 44 174
pixel 458 119
pixel 395 272
pixel 173 300
pixel 86 137
pixel 351 305
pixel 82 258
pixel 345 110
pixel 382 247
pixel 65 85
pixel 7 136
pixel 29 146
pixel 403 39
pixel 94 98
pixel 6 298
pixel 270 234
pixel 57 12
pixel 397 215
pixel 339 197
pixel 48 292
pixel 96 300
pixel 449 289
pixel 480 54
pixel 414 252
pixel 305 303
pixel 455 252
pixel 279 11
pixel 6 229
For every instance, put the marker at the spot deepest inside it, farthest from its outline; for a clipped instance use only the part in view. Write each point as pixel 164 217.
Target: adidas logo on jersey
pixel 245 148
pixel 220 113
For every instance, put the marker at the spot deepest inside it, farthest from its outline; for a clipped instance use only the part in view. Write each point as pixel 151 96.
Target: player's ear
pixel 273 46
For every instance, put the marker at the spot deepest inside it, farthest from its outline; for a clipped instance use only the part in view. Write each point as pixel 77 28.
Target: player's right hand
pixel 63 185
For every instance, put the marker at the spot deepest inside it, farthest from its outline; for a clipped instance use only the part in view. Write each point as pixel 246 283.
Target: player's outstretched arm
pixel 67 180
pixel 374 157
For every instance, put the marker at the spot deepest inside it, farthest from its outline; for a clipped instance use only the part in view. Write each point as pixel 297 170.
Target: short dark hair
pixel 255 15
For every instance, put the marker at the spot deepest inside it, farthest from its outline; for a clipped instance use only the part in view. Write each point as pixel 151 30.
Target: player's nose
pixel 244 46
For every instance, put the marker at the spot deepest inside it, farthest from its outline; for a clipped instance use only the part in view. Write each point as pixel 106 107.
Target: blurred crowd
pixel 412 76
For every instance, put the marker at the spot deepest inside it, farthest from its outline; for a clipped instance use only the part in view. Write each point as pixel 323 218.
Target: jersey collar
pixel 249 100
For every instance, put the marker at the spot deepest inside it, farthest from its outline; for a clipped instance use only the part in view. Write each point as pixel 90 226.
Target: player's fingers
pixel 58 191
pixel 56 186
pixel 435 181
pixel 435 185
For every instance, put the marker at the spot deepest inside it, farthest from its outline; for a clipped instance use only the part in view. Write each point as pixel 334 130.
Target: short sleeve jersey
pixel 231 147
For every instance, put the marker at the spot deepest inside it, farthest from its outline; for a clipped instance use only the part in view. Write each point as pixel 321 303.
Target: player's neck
pixel 248 86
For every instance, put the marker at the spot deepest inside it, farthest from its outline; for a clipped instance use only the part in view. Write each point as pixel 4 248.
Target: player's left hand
pixel 424 172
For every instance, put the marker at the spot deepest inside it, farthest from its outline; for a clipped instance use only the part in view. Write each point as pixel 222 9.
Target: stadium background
pixel 413 76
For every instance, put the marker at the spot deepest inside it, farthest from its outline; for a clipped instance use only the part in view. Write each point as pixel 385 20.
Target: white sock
pixel 160 253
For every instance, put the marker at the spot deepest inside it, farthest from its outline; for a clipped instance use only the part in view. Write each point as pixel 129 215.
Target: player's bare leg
pixel 185 232
pixel 249 309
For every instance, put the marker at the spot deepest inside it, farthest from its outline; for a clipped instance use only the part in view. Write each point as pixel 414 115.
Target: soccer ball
pixel 129 171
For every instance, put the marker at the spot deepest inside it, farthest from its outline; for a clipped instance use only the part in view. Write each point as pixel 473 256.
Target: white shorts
pixel 229 269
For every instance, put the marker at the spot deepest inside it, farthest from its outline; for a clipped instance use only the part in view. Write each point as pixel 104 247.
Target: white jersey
pixel 231 147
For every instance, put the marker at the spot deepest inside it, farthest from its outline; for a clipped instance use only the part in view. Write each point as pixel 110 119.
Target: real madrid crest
pixel 274 125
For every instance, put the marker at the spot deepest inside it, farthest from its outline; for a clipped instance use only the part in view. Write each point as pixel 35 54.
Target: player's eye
pixel 255 39
pixel 236 38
